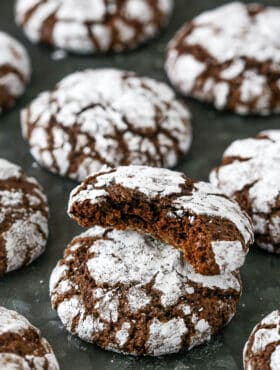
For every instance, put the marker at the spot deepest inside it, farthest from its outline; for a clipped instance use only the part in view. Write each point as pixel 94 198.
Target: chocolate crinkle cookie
pixel 87 26
pixel 15 70
pixel 22 346
pixel 106 117
pixel 230 57
pixel 250 174
pixel 262 351
pixel 195 217
pixel 23 218
pixel 130 293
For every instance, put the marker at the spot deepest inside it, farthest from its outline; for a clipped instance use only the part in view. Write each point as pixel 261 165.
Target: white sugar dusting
pixel 102 106
pixel 166 337
pixel 72 20
pixel 131 260
pixel 242 36
pixel 25 238
pixel 263 337
pixel 159 183
pixel 13 54
pixel 12 322
pixel 258 170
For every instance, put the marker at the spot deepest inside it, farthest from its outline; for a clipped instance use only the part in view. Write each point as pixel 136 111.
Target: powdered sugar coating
pixel 255 171
pixel 263 348
pixel 39 355
pixel 92 25
pixel 23 218
pixel 106 116
pixel 130 275
pixel 233 64
pixel 158 183
pixel 15 63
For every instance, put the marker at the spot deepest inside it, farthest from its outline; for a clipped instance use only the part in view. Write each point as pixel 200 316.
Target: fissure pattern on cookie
pixel 23 218
pixel 211 230
pixel 262 351
pixel 21 344
pixel 131 293
pixel 106 116
pixel 15 70
pixel 92 25
pixel 250 173
pixel 234 64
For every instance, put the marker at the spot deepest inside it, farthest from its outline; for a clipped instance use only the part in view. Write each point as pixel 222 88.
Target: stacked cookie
pixel 157 273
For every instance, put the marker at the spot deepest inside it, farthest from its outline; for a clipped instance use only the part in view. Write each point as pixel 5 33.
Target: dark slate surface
pixel 27 290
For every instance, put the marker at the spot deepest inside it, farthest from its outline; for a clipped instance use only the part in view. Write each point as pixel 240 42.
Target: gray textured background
pixel 26 290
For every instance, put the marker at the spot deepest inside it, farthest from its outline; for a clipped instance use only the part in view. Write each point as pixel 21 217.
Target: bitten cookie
pixel 22 346
pixel 211 230
pixel 250 174
pixel 88 26
pixel 230 57
pixel 130 293
pixel 106 116
pixel 15 70
pixel 262 351
pixel 23 218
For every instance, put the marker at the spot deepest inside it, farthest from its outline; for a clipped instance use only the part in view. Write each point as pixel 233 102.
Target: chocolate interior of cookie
pixel 129 209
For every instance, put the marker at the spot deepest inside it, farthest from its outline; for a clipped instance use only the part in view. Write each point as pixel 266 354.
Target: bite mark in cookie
pixel 211 230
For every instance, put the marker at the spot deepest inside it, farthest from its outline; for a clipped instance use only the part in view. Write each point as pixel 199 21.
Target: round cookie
pixel 229 57
pixel 106 117
pixel 195 217
pixel 15 70
pixel 250 174
pixel 262 351
pixel 88 26
pixel 23 218
pixel 22 346
pixel 130 293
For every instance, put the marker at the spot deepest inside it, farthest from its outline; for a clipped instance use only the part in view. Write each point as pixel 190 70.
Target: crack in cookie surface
pixel 15 70
pixel 233 65
pixel 23 218
pixel 21 344
pixel 92 25
pixel 262 351
pixel 111 117
pixel 131 293
pixel 250 173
